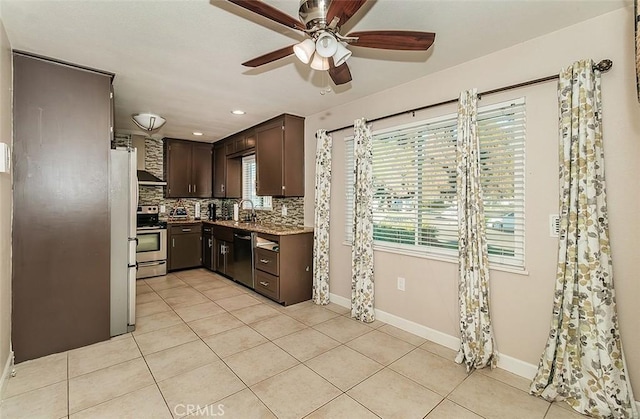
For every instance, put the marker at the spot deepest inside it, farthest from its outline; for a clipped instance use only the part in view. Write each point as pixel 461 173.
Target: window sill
pixel 448 259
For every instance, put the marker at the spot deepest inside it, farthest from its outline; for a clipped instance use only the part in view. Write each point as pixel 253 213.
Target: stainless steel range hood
pixel 145 178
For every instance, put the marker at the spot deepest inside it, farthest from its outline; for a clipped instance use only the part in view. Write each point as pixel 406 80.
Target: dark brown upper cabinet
pixel 187 168
pixel 227 173
pixel 241 144
pixel 280 157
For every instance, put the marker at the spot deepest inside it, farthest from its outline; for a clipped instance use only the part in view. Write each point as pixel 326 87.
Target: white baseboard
pixel 508 363
pixel 6 372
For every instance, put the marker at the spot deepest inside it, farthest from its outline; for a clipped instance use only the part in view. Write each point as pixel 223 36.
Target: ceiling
pixel 182 59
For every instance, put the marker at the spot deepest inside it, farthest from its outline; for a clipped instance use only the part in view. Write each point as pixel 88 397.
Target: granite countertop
pixel 267 228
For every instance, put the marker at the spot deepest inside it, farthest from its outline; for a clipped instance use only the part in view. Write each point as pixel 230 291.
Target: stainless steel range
pixel 151 235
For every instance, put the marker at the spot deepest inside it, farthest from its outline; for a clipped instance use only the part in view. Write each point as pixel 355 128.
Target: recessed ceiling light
pixel 238 112
pixel 197 133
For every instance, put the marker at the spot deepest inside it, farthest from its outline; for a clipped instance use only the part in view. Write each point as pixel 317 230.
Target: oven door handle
pixel 156 263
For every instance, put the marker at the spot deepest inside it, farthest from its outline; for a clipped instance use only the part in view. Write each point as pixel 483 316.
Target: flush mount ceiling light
pixel 197 133
pixel 238 112
pixel 148 121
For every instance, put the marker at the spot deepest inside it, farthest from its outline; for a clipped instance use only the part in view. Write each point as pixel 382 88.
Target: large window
pixel 414 181
pixel 249 185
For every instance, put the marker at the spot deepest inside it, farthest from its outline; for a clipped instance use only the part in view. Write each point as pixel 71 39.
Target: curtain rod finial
pixel 604 65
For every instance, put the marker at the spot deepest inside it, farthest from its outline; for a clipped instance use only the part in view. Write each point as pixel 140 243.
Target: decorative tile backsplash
pixel 155 194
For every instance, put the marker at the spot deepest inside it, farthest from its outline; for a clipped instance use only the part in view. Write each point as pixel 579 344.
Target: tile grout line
pixel 219 358
pixel 68 388
pixel 152 376
pixel 299 362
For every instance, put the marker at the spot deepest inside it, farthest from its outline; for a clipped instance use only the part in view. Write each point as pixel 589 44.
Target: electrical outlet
pixel 401 283
pixel 163 209
pixel 5 158
pixel 284 210
pixel 554 225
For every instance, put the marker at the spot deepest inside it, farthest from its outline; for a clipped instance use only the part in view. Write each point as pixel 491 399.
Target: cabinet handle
pixel 173 242
pixel 307 269
pixel 186 230
pixel 189 188
pixel 194 188
pixel 210 242
pixel 222 187
pixel 264 260
pixel 264 284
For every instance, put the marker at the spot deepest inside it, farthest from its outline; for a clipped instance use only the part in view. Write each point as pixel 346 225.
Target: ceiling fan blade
pixel 269 57
pixel 270 12
pixel 339 75
pixel 400 40
pixel 343 9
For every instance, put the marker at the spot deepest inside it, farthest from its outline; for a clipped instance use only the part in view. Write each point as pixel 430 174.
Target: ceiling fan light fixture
pixel 342 54
pixel 304 50
pixel 319 62
pixel 148 121
pixel 326 44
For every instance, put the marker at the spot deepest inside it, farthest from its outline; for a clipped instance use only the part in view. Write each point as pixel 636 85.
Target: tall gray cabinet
pixel 61 224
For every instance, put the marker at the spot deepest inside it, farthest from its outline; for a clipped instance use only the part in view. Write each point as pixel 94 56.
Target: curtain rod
pixel 603 66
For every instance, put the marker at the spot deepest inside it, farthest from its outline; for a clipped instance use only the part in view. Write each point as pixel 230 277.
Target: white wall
pixel 5 201
pixel 520 303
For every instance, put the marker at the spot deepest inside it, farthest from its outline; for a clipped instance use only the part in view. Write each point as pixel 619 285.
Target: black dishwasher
pixel 243 257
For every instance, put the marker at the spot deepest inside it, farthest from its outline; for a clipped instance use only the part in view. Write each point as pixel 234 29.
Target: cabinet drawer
pixel 267 285
pixel 186 228
pixel 267 261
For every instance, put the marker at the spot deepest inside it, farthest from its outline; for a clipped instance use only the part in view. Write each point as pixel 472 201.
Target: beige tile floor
pixel 202 341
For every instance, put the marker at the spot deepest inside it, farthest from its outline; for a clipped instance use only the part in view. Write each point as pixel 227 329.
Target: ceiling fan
pixel 326 48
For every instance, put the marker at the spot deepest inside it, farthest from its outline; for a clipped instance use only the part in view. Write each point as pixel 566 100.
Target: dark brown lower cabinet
pixel 185 246
pixel 286 275
pixel 223 250
pixel 208 255
pixel 61 230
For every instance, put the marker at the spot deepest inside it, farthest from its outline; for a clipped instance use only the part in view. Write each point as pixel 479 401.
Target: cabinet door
pixel 293 160
pixel 218 260
pixel 178 169
pixel 229 271
pixel 201 170
pixel 219 171
pixel 207 250
pixel 269 151
pixel 185 251
pixel 233 184
pixel 61 249
pixel 250 140
pixel 230 147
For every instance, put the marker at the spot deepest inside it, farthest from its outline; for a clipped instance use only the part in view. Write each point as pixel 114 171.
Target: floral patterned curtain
pixel 477 348
pixel 583 362
pixel 362 247
pixel 321 224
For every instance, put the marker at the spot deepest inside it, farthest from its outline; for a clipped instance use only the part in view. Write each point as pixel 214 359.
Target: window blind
pixel 414 184
pixel 249 185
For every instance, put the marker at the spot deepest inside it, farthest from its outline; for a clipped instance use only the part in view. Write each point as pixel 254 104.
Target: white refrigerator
pixel 123 191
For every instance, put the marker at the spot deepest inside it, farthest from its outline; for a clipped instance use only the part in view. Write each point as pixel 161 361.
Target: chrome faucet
pixel 253 209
